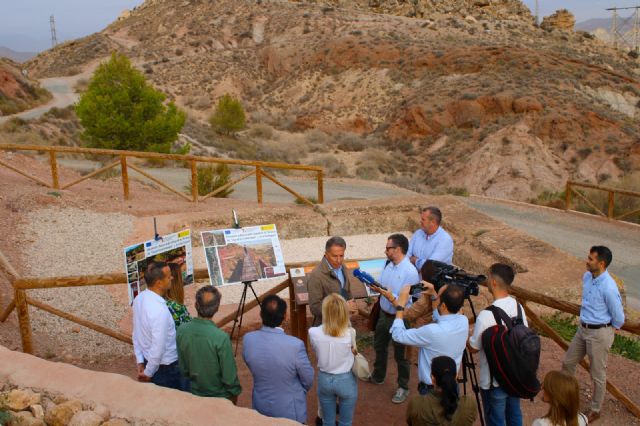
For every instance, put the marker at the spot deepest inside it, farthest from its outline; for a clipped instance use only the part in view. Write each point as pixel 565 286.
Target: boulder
pixel 61 414
pixel 37 411
pixel 102 411
pixel 25 418
pixel 562 20
pixel 86 418
pixel 21 399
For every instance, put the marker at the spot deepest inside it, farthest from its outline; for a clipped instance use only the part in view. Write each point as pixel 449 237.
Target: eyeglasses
pixel 390 247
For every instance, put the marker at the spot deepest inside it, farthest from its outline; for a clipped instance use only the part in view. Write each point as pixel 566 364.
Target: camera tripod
pixel 469 370
pixel 240 312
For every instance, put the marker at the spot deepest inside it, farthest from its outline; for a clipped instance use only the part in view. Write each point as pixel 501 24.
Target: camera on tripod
pixel 440 274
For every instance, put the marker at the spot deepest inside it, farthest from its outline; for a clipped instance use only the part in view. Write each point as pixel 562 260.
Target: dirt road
pixel 574 234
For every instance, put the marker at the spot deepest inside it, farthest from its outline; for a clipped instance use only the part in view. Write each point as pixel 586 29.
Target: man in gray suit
pixel 282 373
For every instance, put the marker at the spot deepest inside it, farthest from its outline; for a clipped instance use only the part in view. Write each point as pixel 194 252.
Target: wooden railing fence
pixel 570 191
pixel 192 160
pixel 297 318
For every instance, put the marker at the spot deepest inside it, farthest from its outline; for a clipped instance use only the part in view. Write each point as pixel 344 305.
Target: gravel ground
pixel 91 243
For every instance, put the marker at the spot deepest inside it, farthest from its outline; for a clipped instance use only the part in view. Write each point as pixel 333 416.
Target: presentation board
pixel 171 248
pixel 244 254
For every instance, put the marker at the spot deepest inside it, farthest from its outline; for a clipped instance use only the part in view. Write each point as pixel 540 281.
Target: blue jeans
pixel 169 376
pixel 500 408
pixel 337 386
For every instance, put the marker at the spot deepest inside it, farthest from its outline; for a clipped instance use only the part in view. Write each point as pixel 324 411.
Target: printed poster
pixel 172 248
pixel 245 254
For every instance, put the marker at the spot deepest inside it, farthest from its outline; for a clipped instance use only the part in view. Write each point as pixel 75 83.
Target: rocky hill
pixel 17 92
pixel 456 93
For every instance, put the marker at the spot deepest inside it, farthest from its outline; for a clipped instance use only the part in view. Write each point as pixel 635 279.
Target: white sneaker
pixel 400 396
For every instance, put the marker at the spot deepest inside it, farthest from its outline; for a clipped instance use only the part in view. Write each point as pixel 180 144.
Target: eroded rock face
pixel 562 20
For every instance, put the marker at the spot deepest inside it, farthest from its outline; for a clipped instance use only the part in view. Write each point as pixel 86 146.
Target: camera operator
pixel 431 241
pixel 445 336
pixel 398 274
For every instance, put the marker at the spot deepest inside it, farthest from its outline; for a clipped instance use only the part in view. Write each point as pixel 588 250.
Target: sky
pixel 24 24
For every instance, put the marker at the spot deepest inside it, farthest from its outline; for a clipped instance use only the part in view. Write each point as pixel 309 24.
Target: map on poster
pixel 174 249
pixel 245 254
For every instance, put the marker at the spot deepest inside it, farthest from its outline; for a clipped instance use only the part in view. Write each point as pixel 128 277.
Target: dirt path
pixel 573 234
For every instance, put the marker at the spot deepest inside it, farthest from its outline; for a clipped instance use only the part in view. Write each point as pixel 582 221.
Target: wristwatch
pixel 399 308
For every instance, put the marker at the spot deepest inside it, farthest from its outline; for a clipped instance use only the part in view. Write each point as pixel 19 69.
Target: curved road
pixel 574 234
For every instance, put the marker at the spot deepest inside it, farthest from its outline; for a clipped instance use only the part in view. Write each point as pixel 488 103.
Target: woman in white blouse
pixel 331 342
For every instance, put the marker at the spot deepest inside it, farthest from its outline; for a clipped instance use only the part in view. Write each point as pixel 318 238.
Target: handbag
pixel 374 314
pixel 360 367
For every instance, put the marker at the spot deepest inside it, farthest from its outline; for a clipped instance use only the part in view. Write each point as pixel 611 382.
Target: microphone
pixel 367 279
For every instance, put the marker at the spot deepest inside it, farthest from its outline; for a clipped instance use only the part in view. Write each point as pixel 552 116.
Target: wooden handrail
pixel 570 188
pixel 157 155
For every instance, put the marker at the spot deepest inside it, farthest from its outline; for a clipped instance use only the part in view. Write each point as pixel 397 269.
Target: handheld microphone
pixel 367 279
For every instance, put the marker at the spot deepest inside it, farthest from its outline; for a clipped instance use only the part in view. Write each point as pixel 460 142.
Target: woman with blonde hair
pixel 562 392
pixel 331 342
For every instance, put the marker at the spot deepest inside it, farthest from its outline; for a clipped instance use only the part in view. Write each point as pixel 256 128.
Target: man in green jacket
pixel 204 351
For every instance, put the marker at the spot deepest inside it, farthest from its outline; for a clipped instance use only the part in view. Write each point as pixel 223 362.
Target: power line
pixel 621 35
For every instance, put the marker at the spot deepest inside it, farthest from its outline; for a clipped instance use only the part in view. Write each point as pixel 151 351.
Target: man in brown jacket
pixel 330 276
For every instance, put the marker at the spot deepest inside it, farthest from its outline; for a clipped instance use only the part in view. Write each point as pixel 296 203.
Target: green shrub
pixel 120 110
pixel 229 116
pixel 212 177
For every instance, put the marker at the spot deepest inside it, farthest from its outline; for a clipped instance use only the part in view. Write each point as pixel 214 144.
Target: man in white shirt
pixel 499 407
pixel 154 332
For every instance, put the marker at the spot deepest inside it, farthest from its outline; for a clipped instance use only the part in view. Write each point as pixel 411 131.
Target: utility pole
pixel 537 15
pixel 620 33
pixel 52 24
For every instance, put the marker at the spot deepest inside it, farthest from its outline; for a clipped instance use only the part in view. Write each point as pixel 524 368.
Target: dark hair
pixel 444 372
pixel 453 298
pixel 435 212
pixel 176 291
pixel 400 241
pixel 504 272
pixel 603 253
pixel 207 308
pixel 273 311
pixel 335 241
pixel 154 272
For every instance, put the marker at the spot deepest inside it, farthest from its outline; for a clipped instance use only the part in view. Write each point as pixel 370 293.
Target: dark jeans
pixel 169 376
pixel 381 340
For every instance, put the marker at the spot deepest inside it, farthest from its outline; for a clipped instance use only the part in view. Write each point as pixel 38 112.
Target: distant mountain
pixel 624 24
pixel 16 56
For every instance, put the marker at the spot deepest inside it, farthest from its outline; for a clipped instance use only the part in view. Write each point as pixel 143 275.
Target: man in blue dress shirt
pixel 430 242
pixel 445 336
pixel 397 274
pixel 600 313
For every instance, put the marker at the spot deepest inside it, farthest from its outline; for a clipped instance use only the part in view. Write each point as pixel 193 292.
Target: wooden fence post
pixel 259 184
pixel 293 310
pixel 320 188
pixel 54 169
pixel 610 204
pixel 194 181
pixel 567 196
pixel 23 320
pixel 125 176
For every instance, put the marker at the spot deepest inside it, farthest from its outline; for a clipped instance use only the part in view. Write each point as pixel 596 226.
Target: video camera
pixel 440 274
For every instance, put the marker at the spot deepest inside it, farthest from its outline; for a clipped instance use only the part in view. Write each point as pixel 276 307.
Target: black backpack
pixel 513 354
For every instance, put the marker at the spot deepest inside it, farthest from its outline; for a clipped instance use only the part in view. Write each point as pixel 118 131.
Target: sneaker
pixel 370 379
pixel 400 396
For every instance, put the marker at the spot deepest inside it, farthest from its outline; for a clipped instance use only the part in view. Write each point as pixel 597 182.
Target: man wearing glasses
pixel 397 274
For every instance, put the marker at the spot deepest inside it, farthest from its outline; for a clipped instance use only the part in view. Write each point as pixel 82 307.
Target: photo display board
pixel 171 248
pixel 244 254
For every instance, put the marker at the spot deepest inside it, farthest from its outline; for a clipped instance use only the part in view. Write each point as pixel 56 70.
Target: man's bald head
pixel 207 301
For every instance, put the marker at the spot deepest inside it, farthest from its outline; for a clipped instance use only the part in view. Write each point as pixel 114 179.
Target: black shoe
pixel 318 421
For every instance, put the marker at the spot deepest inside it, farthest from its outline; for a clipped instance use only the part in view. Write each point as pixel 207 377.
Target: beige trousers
pixel 595 344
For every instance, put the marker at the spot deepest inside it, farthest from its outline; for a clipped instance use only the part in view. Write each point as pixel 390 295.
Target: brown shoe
pixel 593 416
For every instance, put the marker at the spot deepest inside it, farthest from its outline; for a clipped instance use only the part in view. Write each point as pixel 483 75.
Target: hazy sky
pixel 24 24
